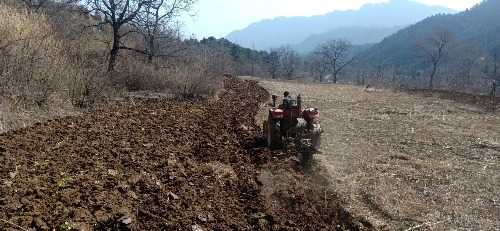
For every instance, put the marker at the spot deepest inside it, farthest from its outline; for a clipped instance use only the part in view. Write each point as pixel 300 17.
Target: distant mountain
pixel 293 30
pixel 356 35
pixel 476 30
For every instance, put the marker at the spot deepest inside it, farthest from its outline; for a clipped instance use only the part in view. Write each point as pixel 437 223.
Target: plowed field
pixel 161 165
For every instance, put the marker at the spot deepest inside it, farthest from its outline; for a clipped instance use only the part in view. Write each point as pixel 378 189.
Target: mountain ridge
pixel 475 28
pixel 279 31
pixel 356 35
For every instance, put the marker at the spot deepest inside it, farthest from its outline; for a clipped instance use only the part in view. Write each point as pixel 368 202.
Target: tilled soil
pixel 161 165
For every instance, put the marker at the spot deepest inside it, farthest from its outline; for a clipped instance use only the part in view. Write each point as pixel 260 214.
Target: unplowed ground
pixel 419 161
pixel 161 165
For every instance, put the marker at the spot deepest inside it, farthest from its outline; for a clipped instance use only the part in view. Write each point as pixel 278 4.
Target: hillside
pixel 292 30
pixel 476 29
pixel 67 56
pixel 356 35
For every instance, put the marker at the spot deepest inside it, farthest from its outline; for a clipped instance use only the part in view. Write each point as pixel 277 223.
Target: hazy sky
pixel 219 17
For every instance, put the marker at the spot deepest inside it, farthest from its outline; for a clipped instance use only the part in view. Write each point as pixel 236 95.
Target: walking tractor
pixel 289 124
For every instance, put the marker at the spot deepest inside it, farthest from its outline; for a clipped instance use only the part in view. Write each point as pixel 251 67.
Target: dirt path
pixel 408 161
pixel 160 166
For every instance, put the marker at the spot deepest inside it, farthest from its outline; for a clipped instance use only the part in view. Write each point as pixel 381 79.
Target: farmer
pixel 287 100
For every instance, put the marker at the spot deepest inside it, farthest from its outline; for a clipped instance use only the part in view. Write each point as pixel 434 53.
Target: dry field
pixel 408 162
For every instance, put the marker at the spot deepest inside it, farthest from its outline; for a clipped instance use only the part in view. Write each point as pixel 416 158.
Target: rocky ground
pixel 162 165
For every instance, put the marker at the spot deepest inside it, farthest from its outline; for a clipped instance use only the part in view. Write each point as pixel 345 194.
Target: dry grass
pixel 13 117
pixel 29 60
pixel 33 73
pixel 53 64
pixel 43 76
pixel 408 162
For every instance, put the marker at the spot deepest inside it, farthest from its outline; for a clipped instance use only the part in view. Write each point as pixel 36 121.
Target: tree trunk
pixel 151 53
pixel 495 68
pixel 493 95
pixel 113 54
pixel 494 89
pixel 334 72
pixel 495 72
pixel 393 81
pixel 431 79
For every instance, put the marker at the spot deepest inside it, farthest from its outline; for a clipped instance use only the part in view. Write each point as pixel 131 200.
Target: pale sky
pixel 220 17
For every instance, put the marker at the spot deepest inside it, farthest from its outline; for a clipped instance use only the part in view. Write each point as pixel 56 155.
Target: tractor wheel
pixel 273 134
pixel 316 142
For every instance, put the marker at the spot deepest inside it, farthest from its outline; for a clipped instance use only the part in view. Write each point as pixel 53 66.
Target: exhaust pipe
pixel 299 103
pixel 275 98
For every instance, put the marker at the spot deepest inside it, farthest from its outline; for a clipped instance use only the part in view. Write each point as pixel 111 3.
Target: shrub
pixel 36 63
pixel 30 61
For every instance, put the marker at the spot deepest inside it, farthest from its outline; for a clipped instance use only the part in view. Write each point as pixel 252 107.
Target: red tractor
pixel 289 124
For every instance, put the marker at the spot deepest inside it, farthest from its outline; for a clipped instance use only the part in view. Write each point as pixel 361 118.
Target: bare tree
pixel 318 66
pixel 117 14
pixel 495 53
pixel 494 76
pixel 435 49
pixel 379 73
pixel 361 77
pixel 464 69
pixel 495 66
pixel 289 61
pixel 273 63
pixel 335 54
pixel 396 76
pixel 155 24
